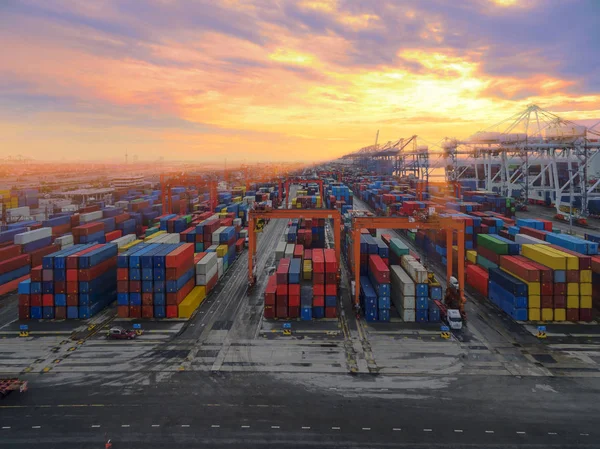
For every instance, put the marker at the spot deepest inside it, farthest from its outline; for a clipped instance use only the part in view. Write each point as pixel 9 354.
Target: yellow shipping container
pixel 585 302
pixel 191 302
pixel 124 248
pixel 585 288
pixel 535 314
pixel 222 250
pixel 533 288
pixel 539 254
pixel 472 256
pixel 153 236
pixel 572 261
pixel 560 314
pixel 585 276
pixel 572 288
pixel 547 314
pixel 572 302
pixel 534 301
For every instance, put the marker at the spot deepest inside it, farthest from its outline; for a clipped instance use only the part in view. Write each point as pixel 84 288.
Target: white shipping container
pixel 414 269
pixel 202 279
pixel 280 251
pixel 69 208
pixel 243 233
pixel 65 240
pixel 90 216
pixel 32 236
pixel 401 282
pixel 126 239
pixel 122 204
pixel 237 221
pixel 215 235
pixel 171 238
pixel 523 238
pixel 289 251
pixel 18 212
pixel 220 267
pixel 205 264
pixel 408 315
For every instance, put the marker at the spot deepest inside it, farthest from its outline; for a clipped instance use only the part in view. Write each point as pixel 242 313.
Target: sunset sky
pixel 282 80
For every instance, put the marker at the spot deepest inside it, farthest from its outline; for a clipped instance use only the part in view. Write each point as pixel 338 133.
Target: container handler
pixel 451 309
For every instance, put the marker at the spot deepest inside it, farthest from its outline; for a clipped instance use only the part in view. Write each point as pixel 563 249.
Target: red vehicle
pixel 13 384
pixel 120 333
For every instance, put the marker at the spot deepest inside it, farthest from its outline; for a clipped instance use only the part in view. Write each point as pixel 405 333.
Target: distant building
pixel 128 182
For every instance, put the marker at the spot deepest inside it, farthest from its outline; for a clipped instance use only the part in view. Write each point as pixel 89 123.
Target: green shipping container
pixel 485 263
pixel 398 248
pixel 492 244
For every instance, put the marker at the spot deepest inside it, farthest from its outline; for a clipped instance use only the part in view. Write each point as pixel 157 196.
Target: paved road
pixel 255 410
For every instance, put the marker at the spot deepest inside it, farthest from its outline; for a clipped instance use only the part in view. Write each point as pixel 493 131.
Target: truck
pixel 452 317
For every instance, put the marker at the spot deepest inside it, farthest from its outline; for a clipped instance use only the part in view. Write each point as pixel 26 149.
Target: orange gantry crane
pixel 184 180
pixel 290 181
pixel 288 214
pixel 448 224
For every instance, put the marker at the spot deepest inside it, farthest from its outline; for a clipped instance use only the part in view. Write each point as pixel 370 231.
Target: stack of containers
pixel 294 275
pixel 379 275
pixel 331 285
pixel 204 233
pixel 508 293
pixel 530 276
pixel 368 298
pixel 418 274
pixel 207 270
pixel 76 282
pixel 281 302
pixel 403 293
pixel 153 279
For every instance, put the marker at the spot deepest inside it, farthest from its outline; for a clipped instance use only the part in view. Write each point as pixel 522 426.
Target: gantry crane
pixel 288 214
pixel 436 223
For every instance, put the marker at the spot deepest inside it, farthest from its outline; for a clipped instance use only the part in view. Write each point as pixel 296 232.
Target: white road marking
pixel 8 427
pixel 427 430
pixel 155 425
pixel 552 433
pixel 335 428
pixel 489 431
pixel 36 427
pixel 366 428
pixel 458 430
pixel 185 425
pixel 396 429
pixel 584 434
pixel 124 425
pixel 274 427
pixel 305 428
pixel 521 432
pixel 96 425
pixel 245 427
pixel 215 426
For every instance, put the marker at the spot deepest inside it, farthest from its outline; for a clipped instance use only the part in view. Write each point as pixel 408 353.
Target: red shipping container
pixel 198 257
pixel 113 235
pixel 38 255
pixel 14 263
pixel 318 278
pixel 74 220
pixel 87 209
pixel 572 314
pixel 171 311
pixel 281 312
pixel 35 300
pixel 386 261
pixel 271 291
pixel 536 233
pixel 47 300
pixel 547 288
pixel 135 286
pixel 24 300
pixel 294 301
pixel 331 278
pixel 381 273
pixel 547 224
pixel 477 277
pixel 89 274
pixel 122 274
pixel 281 300
pixel 560 289
pixel 147 299
pixel 60 230
pixel 331 265
pixel 308 254
pixel 172 274
pixel 585 262
pixel 330 312
pixel 318 301
pixel 36 274
pixel 585 314
pixel 319 289
pixel 488 254
pixel 520 268
pixel 123 311
pixel 60 313
pixel 72 287
pixel 136 311
pixel 269 312
pixel 282 271
pixel 121 218
pixel 182 255
pixel 24 313
pixel 282 289
pixel 331 290
pixel 60 287
pixel 87 229
pixel 298 251
pixel 560 302
pixel 294 289
pixel 122 286
pixel 174 299
pixel 211 283
pixel 573 276
pixel 72 299
pixel 9 252
pixel 547 302
pixel 147 311
pixel 294 312
pixel 318 259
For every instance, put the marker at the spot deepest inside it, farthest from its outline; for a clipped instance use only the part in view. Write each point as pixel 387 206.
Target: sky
pixel 277 80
